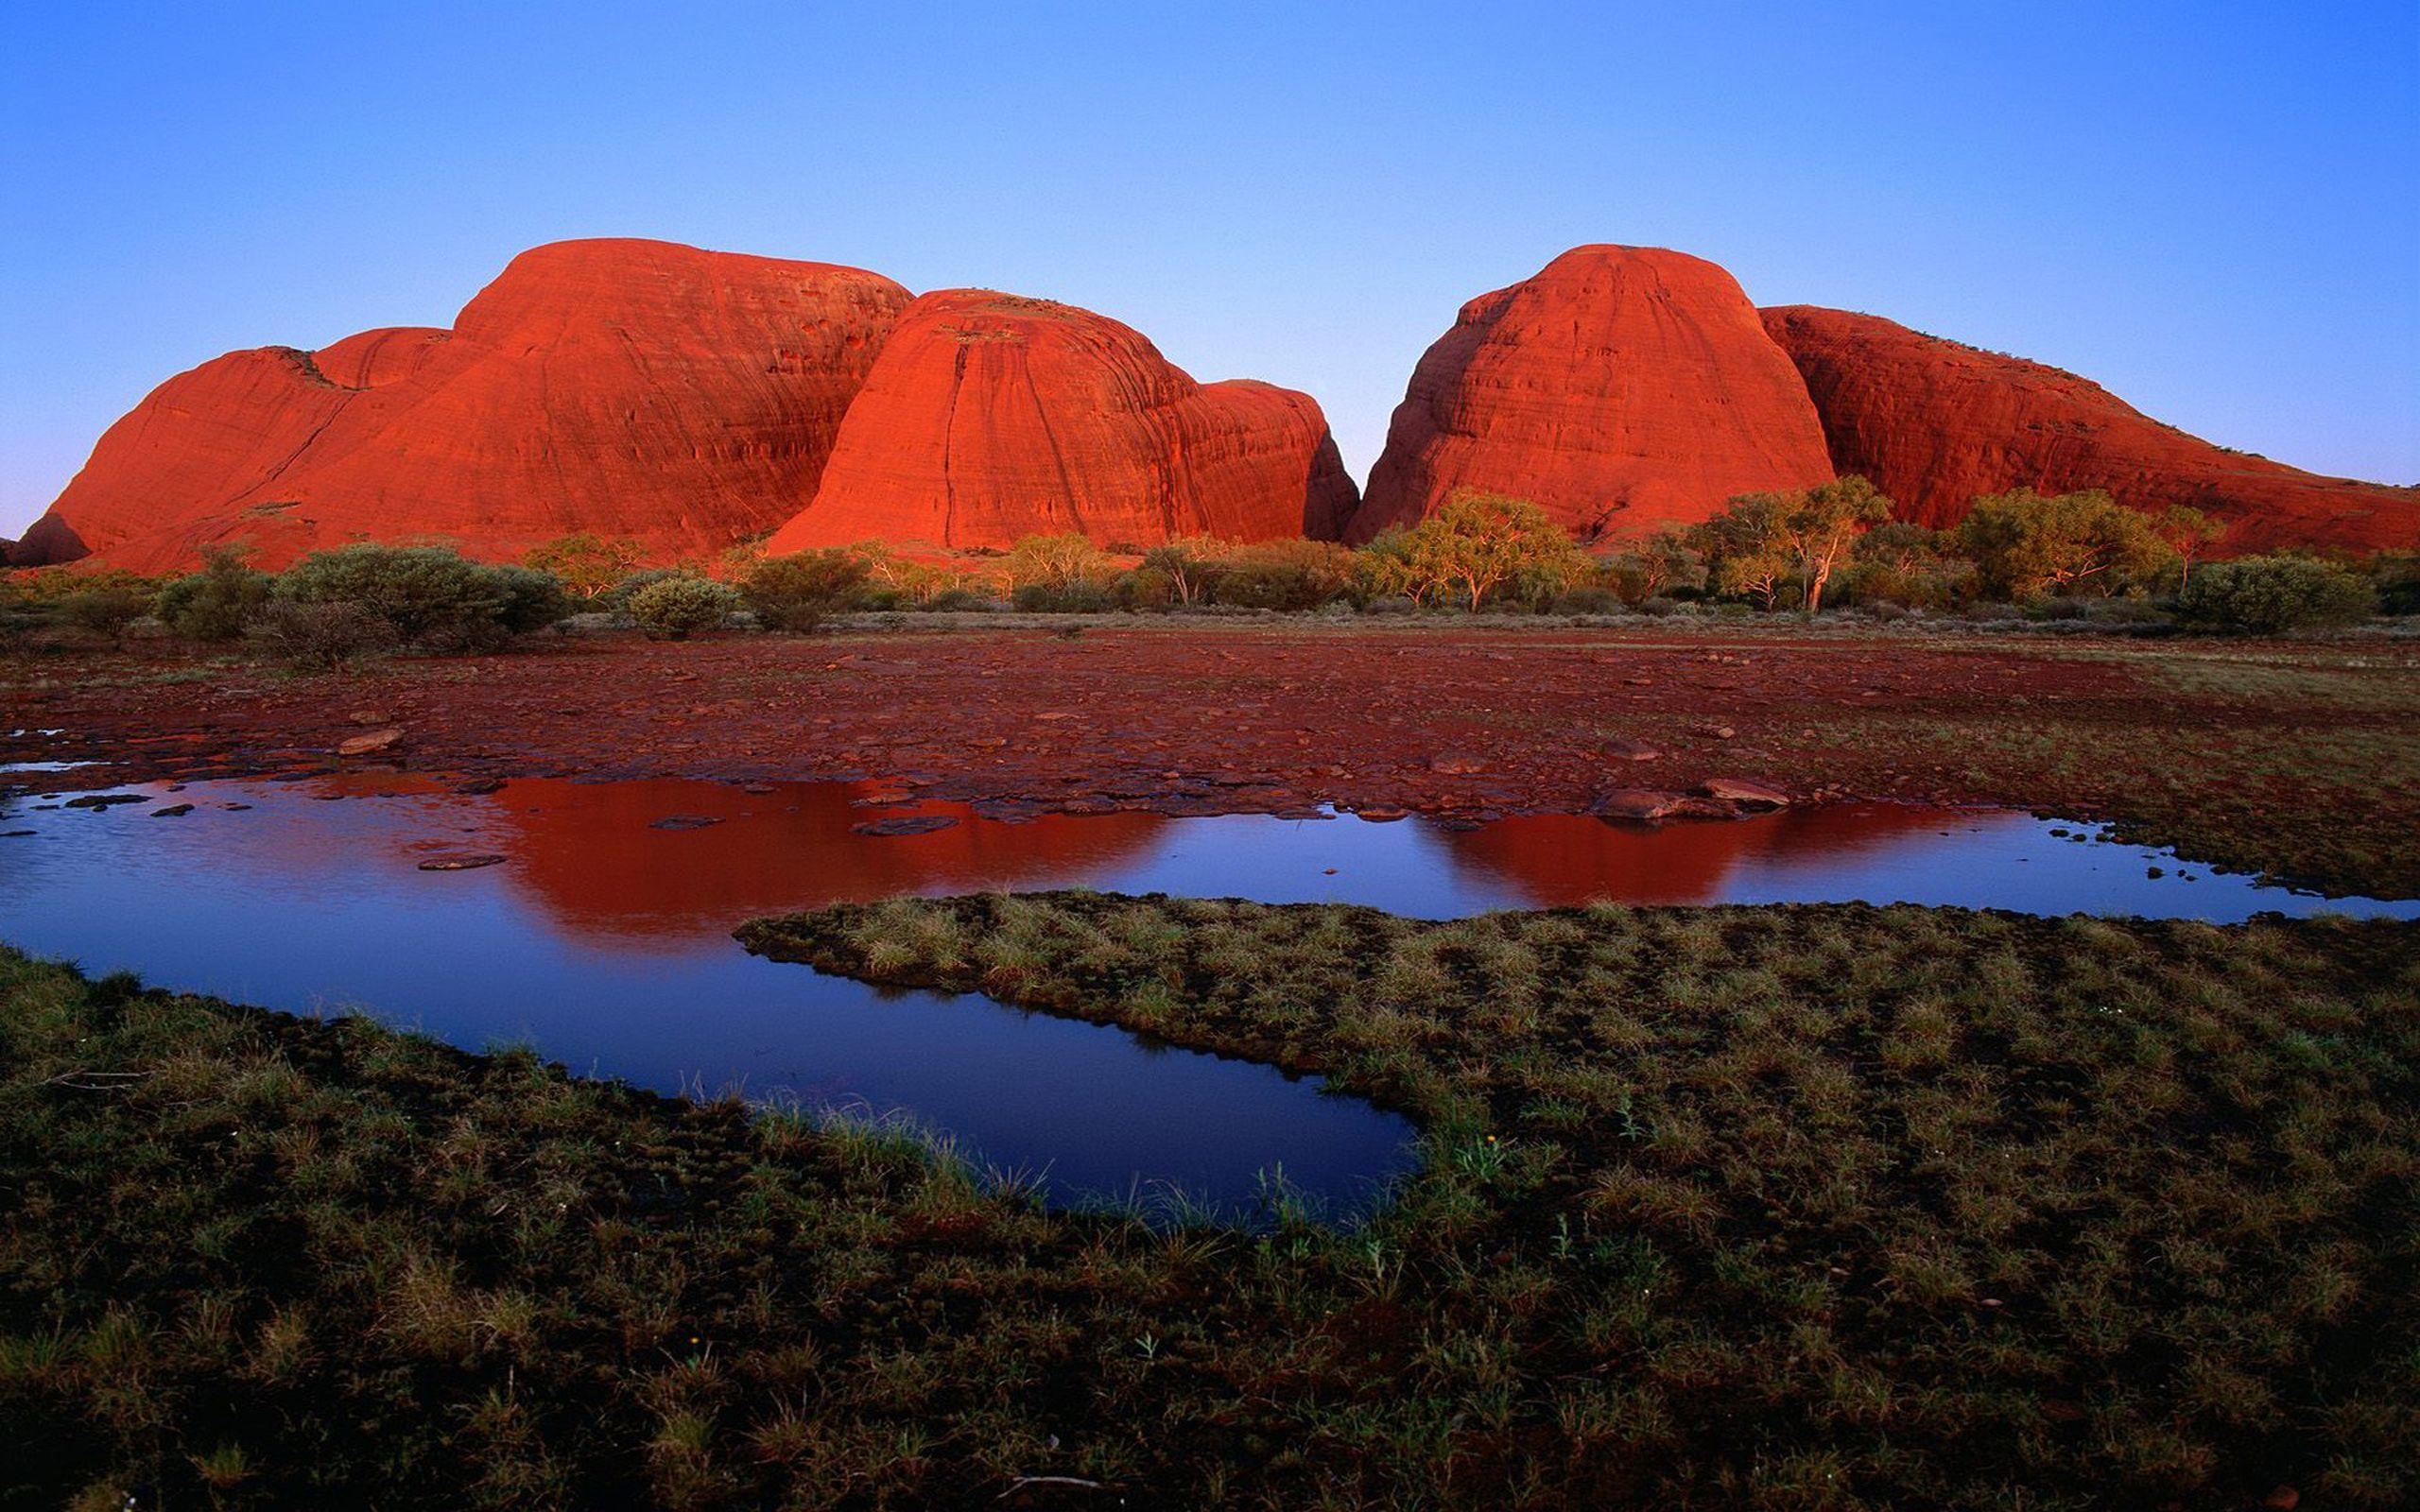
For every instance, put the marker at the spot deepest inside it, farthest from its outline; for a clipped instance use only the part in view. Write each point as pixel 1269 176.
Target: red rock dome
pixel 988 417
pixel 680 397
pixel 1622 388
pixel 1934 425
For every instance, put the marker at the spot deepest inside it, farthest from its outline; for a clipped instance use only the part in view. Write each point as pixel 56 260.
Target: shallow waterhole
pixel 602 938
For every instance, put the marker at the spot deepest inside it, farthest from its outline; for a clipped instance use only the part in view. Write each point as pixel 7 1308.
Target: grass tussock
pixel 1792 1207
pixel 1807 1207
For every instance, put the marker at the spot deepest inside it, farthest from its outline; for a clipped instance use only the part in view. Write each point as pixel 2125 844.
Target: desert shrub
pixel 431 598
pixel 1082 596
pixel 320 635
pixel 1654 566
pixel 1057 563
pixel 1142 589
pixel 19 616
pixel 1281 574
pixel 49 586
pixel 679 607
pixel 957 600
pixel 2265 595
pixel 104 610
pixel 1658 606
pixel 1588 598
pixel 2397 576
pixel 1904 564
pixel 533 599
pixel 796 592
pixel 216 603
pixel 588 565
pixel 616 599
pixel 94 602
pixel 2027 545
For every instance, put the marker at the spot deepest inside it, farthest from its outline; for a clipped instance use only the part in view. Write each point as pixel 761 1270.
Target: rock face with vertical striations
pixel 988 417
pixel 1622 388
pixel 680 397
pixel 1934 425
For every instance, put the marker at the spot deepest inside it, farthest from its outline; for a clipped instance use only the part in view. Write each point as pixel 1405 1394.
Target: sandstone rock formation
pixel 988 417
pixel 1934 423
pixel 1622 388
pixel 678 397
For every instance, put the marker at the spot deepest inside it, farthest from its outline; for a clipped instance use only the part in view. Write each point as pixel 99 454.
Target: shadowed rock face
pixel 988 417
pixel 1934 425
pixel 1622 388
pixel 678 397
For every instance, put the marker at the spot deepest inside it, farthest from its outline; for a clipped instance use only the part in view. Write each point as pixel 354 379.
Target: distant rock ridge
pixel 1935 424
pixel 990 416
pixel 690 400
pixel 680 397
pixel 1622 388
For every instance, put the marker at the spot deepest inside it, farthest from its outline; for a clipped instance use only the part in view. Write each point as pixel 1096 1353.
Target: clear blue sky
pixel 2213 209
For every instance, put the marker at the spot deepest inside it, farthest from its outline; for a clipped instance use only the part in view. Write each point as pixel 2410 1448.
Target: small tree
pixel 1749 547
pixel 1387 568
pixel 1904 562
pixel 1657 565
pixel 1823 523
pixel 1057 563
pixel 1479 541
pixel 795 592
pixel 2025 545
pixel 2189 533
pixel 586 565
pixel 1188 566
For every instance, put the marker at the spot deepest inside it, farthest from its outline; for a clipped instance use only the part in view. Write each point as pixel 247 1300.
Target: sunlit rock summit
pixel 988 417
pixel 680 397
pixel 1620 389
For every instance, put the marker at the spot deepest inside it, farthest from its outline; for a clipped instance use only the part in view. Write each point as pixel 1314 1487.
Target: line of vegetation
pixel 2075 557
pixel 1778 1207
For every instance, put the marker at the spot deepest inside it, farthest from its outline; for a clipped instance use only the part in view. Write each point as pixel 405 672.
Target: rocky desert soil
pixel 2295 758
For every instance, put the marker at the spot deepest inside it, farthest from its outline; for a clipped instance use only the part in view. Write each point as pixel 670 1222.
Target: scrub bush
pixel 795 592
pixel 430 598
pixel 2266 596
pixel 319 636
pixel 1281 574
pixel 216 603
pixel 676 607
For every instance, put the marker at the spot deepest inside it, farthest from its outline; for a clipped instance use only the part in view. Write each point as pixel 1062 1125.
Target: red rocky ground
pixel 2293 758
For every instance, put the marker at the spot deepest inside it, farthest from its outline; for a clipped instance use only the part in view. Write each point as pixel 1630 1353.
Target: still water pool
pixel 602 937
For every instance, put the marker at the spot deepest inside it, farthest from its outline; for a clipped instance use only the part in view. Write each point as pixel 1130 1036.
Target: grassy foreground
pixel 1793 1208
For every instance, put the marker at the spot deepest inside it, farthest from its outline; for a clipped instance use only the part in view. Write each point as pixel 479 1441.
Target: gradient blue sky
pixel 2213 209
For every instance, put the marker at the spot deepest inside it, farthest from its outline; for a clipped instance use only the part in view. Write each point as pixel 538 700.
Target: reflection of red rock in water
pixel 1559 861
pixel 585 855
